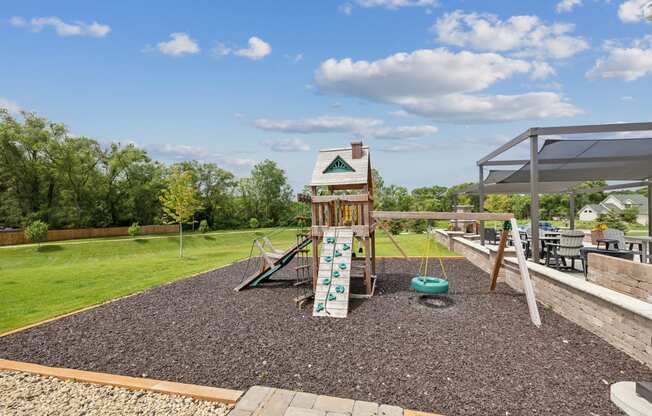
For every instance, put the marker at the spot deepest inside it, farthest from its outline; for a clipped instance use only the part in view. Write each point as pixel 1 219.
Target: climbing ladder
pixel 334 277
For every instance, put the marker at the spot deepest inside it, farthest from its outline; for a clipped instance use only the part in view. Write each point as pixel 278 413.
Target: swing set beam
pixel 481 216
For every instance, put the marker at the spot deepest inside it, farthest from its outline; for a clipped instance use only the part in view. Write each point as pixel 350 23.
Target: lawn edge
pixel 195 391
pixel 97 305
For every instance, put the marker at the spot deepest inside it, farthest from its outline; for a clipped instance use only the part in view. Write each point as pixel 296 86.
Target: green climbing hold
pixel 330 240
pixel 342 266
pixel 346 247
pixel 328 259
pixel 326 281
pixel 320 307
pixel 337 253
pixel 331 296
pixel 336 273
pixel 339 288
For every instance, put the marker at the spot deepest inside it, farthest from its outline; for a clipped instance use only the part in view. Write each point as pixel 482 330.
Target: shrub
pixel 253 223
pixel 134 230
pixel 612 220
pixel 395 227
pixel 203 226
pixel 37 232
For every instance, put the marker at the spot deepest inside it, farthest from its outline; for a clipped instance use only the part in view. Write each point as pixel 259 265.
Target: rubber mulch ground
pixel 480 356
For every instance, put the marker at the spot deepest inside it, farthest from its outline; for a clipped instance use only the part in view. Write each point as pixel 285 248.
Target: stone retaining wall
pixel 624 276
pixel 623 321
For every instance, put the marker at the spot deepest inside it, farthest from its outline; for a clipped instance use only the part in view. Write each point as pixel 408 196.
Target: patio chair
pixel 614 234
pixel 491 235
pixel 569 247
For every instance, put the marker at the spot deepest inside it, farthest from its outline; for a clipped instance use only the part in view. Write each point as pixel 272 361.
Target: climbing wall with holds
pixel 334 277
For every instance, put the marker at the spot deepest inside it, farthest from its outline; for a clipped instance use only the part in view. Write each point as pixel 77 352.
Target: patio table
pixel 584 252
pixel 643 243
pixel 608 242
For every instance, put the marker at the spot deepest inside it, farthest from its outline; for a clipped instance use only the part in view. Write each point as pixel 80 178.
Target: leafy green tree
pixel 37 232
pixel 629 215
pixel 179 201
pixel 203 226
pixel 266 194
pixel 134 230
pixel 613 220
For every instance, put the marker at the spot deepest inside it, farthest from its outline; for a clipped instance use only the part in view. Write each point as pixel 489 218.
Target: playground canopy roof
pixel 585 160
pixel 493 185
pixel 360 175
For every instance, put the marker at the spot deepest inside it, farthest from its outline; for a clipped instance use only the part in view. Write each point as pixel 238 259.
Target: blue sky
pixel 430 85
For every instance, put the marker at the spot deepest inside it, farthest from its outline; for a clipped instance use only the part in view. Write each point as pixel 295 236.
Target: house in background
pixel 617 203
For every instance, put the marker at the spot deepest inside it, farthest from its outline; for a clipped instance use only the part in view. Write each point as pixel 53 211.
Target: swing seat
pixel 428 284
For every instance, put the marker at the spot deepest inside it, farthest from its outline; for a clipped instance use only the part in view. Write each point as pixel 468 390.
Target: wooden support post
pixel 367 266
pixel 525 275
pixel 499 259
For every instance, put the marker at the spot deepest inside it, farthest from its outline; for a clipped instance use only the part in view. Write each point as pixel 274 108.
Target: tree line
pixel 66 181
pixel 47 174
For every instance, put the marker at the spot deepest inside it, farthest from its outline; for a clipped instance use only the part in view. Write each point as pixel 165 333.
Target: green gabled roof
pixel 338 165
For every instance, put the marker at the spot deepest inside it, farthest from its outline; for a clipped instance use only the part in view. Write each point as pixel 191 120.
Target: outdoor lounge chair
pixel 613 234
pixel 491 235
pixel 569 247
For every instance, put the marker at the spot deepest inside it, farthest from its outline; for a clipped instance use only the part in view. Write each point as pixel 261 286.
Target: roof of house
pixel 637 199
pixel 359 176
pixel 598 209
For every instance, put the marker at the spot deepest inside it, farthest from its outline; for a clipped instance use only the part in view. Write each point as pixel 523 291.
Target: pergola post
pixel 649 215
pixel 571 213
pixel 534 191
pixel 481 200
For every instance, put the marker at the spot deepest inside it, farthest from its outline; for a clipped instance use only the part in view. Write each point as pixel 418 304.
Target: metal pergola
pixel 533 166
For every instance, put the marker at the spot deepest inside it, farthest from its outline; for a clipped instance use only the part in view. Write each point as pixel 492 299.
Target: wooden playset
pixel 342 219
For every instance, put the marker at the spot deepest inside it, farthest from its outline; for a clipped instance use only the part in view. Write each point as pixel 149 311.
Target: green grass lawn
pixel 65 276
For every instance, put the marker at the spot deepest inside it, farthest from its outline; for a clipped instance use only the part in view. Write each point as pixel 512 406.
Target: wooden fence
pixel 8 238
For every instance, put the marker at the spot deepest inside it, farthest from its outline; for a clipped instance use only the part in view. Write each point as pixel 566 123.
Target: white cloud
pixel 323 124
pixel 565 6
pixel 258 49
pixel 76 28
pixel 631 11
pixel 541 70
pixel 463 108
pixel 360 127
pixel 180 44
pixel 180 152
pixel 627 62
pixel 287 145
pixel 523 35
pixel 423 72
pixel 406 147
pixel 346 8
pixel 396 4
pixel 9 105
pixel 437 83
pixel 220 49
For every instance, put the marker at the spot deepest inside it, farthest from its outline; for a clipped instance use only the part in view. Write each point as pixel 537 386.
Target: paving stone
pixel 253 398
pixel 298 411
pixel 276 404
pixel 387 410
pixel 303 400
pixel 362 408
pixel 240 412
pixel 334 404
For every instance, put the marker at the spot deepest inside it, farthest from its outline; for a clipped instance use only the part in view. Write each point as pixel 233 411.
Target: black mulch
pixel 479 356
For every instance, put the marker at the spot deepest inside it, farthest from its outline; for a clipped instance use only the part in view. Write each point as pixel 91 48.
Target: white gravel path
pixel 29 394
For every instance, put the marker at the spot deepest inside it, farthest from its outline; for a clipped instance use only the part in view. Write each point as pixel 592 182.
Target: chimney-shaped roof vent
pixel 356 150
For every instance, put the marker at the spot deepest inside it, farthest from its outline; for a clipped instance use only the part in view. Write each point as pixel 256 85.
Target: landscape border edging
pixel 214 394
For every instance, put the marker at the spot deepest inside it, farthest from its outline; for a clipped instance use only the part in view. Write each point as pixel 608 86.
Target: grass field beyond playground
pixel 62 277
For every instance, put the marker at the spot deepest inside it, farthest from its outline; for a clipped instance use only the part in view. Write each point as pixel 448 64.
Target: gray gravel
pixel 29 394
pixel 480 356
